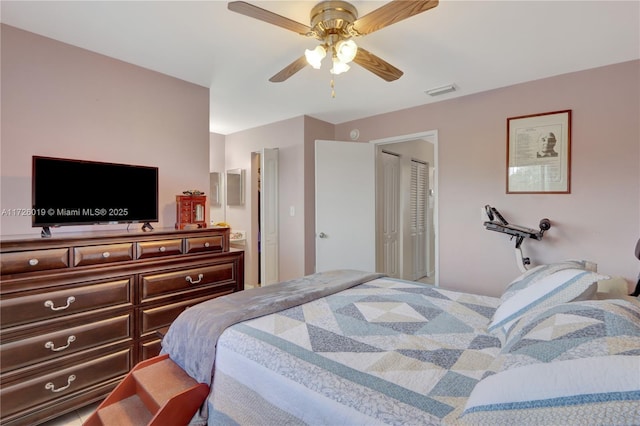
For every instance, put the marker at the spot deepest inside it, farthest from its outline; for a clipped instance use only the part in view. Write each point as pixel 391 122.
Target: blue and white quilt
pixel 352 348
pixel 383 352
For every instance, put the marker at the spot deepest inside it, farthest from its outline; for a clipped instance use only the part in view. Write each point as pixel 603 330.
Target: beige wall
pixel 62 101
pixel 295 139
pixel 313 130
pixel 598 221
pixel 288 137
pixel 216 164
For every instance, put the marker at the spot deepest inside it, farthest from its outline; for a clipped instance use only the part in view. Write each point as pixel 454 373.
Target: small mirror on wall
pixel 214 185
pixel 235 187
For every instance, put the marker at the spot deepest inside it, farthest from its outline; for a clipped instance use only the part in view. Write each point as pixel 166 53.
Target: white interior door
pixel 345 206
pixel 269 244
pixel 389 209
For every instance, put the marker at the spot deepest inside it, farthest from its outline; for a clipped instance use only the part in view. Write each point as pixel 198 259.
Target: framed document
pixel 539 153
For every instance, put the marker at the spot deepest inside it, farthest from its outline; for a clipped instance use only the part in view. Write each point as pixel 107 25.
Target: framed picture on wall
pixel 539 153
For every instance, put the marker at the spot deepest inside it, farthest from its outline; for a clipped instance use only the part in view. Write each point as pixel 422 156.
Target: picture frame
pixel 539 153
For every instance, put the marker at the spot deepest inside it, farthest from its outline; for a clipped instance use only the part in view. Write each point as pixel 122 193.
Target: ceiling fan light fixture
pixel 346 50
pixel 336 21
pixel 314 57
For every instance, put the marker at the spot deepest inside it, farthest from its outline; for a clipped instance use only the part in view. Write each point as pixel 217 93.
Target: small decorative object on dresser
pixel 190 210
pixel 79 310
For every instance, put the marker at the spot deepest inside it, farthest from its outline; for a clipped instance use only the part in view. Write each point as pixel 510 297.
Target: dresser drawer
pixel 152 319
pixel 184 213
pixel 149 249
pixel 69 339
pixel 154 285
pixel 63 382
pixel 107 253
pixel 34 260
pixel 213 243
pixel 150 349
pixel 53 304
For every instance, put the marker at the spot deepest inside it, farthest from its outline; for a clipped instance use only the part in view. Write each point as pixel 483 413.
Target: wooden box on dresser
pixel 78 311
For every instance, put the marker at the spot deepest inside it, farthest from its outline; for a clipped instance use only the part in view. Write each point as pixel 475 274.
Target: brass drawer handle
pixel 33 262
pixel 49 304
pixel 50 344
pixel 191 281
pixel 50 386
pixel 106 254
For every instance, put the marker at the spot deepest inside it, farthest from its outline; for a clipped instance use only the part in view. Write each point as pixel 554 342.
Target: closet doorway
pixel 405 243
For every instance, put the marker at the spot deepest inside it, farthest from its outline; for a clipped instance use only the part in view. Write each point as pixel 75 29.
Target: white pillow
pixel 575 363
pixel 570 392
pixel 560 287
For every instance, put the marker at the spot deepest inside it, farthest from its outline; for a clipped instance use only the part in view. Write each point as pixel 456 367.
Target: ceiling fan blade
pixel 390 13
pixel 289 70
pixel 378 66
pixel 256 12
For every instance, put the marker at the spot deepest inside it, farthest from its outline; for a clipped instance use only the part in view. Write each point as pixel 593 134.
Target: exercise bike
pixel 636 292
pixel 498 223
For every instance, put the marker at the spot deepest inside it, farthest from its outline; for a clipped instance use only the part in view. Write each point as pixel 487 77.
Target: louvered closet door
pixel 389 175
pixel 418 217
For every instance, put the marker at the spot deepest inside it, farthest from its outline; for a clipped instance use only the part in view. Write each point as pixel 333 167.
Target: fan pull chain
pixel 333 88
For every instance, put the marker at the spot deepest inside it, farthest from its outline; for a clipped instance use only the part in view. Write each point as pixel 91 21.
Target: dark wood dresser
pixel 78 311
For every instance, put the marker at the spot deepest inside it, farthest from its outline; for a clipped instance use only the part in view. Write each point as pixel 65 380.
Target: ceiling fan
pixel 335 24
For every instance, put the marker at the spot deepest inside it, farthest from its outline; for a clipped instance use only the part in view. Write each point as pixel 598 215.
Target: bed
pixel 355 348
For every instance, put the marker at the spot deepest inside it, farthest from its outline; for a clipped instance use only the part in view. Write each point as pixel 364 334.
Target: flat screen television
pixel 78 192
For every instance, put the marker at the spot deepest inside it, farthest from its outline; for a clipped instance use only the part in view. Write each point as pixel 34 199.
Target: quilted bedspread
pixel 383 352
pixel 192 338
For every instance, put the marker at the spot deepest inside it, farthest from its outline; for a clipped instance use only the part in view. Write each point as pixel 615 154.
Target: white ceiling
pixel 476 45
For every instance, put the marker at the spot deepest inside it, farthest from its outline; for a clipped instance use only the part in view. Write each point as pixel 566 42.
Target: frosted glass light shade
pixel 346 50
pixel 315 56
pixel 339 67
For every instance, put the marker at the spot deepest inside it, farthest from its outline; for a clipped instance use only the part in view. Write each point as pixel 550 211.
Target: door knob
pixel 322 235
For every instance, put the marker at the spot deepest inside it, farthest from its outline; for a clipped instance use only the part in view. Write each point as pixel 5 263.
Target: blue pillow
pixel 562 286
